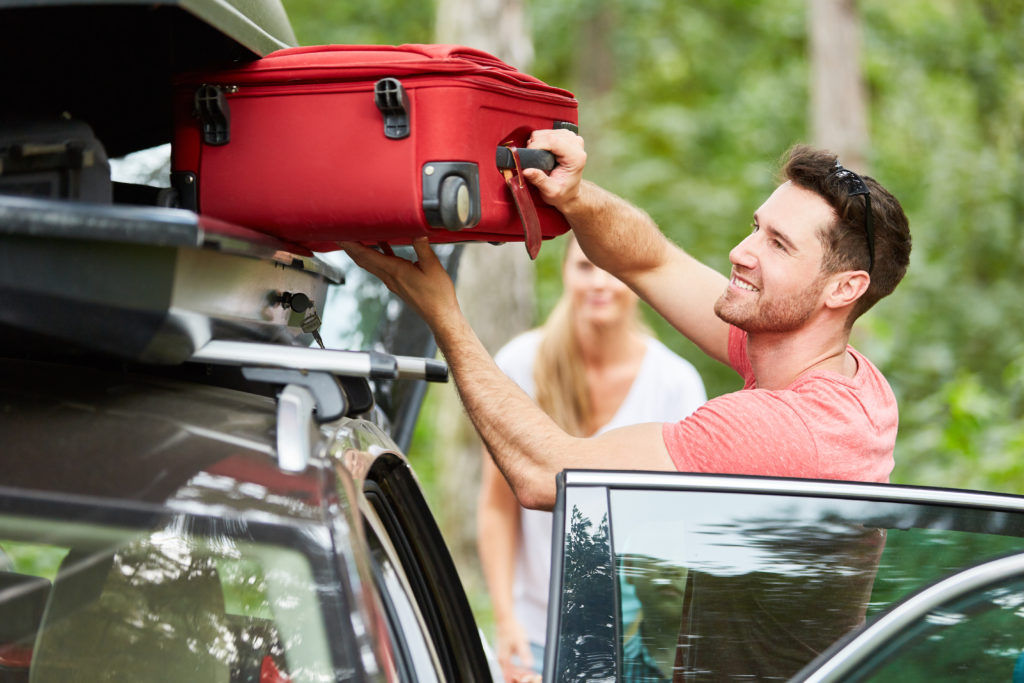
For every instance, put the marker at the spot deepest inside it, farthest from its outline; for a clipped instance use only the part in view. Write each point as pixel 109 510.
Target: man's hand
pixel 562 185
pixel 423 284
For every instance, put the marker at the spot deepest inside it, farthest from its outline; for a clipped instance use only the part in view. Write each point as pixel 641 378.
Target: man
pixel 825 246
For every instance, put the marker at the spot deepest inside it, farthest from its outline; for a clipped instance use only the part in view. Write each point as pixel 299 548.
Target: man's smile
pixel 743 284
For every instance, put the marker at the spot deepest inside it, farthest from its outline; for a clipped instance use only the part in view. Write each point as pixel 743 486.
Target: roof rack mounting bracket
pixel 295 428
pixel 329 397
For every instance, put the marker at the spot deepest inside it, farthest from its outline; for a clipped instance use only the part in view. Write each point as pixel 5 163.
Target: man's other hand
pixel 560 187
pixel 423 284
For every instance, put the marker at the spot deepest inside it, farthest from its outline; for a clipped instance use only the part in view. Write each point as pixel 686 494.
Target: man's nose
pixel 742 254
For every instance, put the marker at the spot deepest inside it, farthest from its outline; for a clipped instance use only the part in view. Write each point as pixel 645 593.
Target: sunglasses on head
pixel 855 185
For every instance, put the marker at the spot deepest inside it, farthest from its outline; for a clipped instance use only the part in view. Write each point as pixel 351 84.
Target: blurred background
pixel 686 108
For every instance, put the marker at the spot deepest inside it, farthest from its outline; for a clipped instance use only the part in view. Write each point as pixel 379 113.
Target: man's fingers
pixel 557 141
pixel 358 252
pixel 424 254
pixel 384 267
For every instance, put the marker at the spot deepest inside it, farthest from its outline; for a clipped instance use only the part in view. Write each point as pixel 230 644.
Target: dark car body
pixel 111 63
pixel 185 493
pixel 161 540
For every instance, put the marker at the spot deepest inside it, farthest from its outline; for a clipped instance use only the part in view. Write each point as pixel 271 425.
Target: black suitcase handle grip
pixel 528 158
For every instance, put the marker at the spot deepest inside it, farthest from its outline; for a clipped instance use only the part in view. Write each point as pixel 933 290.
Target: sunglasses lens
pixel 855 186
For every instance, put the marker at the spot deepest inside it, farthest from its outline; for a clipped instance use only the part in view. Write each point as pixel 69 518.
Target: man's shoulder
pixel 868 387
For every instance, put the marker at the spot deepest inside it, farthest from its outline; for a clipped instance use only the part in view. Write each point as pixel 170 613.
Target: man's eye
pixel 753 227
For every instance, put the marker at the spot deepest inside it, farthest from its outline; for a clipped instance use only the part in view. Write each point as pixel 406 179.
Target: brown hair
pixel 558 374
pixel 844 240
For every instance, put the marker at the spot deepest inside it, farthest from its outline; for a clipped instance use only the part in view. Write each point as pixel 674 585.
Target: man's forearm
pixel 527 446
pixel 616 235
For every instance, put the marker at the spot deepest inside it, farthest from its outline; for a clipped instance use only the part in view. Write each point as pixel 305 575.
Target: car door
pixel 707 577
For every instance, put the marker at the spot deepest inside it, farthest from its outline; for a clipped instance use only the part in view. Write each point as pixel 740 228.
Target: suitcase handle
pixel 528 158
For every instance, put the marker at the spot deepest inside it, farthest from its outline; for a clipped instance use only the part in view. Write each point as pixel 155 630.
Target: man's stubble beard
pixel 772 315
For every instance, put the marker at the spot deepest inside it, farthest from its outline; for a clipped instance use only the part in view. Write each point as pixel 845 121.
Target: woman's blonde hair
pixel 558 373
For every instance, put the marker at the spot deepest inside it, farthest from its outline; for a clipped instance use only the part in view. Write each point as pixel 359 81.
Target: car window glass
pixel 586 646
pixel 100 602
pixel 735 585
pixel 979 638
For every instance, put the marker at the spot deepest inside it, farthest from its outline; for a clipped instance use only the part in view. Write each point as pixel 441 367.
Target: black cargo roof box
pixel 110 63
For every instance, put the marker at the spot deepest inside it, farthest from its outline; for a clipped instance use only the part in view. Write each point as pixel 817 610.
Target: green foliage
pixel 386 22
pixel 709 94
pixel 686 108
pixel 31 558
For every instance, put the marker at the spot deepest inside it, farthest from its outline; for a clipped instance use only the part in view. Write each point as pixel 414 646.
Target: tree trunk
pixel 494 286
pixel 595 65
pixel 838 95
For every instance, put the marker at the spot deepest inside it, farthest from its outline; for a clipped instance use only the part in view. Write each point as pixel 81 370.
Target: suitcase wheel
pixel 451 194
pixel 455 203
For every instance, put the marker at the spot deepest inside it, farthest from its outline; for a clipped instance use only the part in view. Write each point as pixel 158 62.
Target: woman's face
pixel 597 297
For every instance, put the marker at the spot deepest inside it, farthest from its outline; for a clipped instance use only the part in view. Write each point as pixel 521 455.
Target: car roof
pixel 111 64
pixel 107 432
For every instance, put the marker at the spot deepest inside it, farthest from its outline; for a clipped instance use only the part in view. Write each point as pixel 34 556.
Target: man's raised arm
pixel 625 241
pixel 526 444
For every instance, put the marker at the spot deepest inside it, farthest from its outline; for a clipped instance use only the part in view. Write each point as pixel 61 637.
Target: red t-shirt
pixel 822 426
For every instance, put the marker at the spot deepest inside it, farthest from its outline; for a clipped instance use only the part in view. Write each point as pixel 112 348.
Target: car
pixel 194 487
pixel 191 491
pixel 153 528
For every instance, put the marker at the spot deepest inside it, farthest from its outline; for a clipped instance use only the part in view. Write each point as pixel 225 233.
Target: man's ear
pixel 846 287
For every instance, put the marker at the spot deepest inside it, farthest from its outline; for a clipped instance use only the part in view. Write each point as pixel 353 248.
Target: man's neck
pixel 778 359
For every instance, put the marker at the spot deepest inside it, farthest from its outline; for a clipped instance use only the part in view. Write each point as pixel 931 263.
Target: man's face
pixel 776 282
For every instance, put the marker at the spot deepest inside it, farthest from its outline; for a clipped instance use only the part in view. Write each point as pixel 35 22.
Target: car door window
pixel 747 584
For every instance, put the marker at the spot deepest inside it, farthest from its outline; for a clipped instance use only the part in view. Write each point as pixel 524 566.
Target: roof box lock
pixel 214 114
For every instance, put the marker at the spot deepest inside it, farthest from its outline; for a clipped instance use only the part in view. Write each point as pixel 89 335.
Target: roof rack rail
pixel 368 364
pixel 309 393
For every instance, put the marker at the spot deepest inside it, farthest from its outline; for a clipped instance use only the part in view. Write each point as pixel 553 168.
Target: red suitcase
pixel 367 143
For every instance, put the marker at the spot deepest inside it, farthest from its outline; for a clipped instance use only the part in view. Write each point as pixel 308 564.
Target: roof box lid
pixel 111 63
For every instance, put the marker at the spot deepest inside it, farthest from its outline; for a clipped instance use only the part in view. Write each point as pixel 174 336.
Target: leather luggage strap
pixel 524 204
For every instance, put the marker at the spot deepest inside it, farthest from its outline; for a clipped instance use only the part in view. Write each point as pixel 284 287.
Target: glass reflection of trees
pixel 759 586
pixel 155 610
pixel 811 588
pixel 977 638
pixel 588 603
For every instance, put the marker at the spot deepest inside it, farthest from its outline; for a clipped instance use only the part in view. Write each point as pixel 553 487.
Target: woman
pixel 591 367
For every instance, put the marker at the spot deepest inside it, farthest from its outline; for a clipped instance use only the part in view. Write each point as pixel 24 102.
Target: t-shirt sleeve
pixel 745 432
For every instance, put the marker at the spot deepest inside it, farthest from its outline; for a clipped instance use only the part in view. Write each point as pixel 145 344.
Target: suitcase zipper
pixel 291 88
